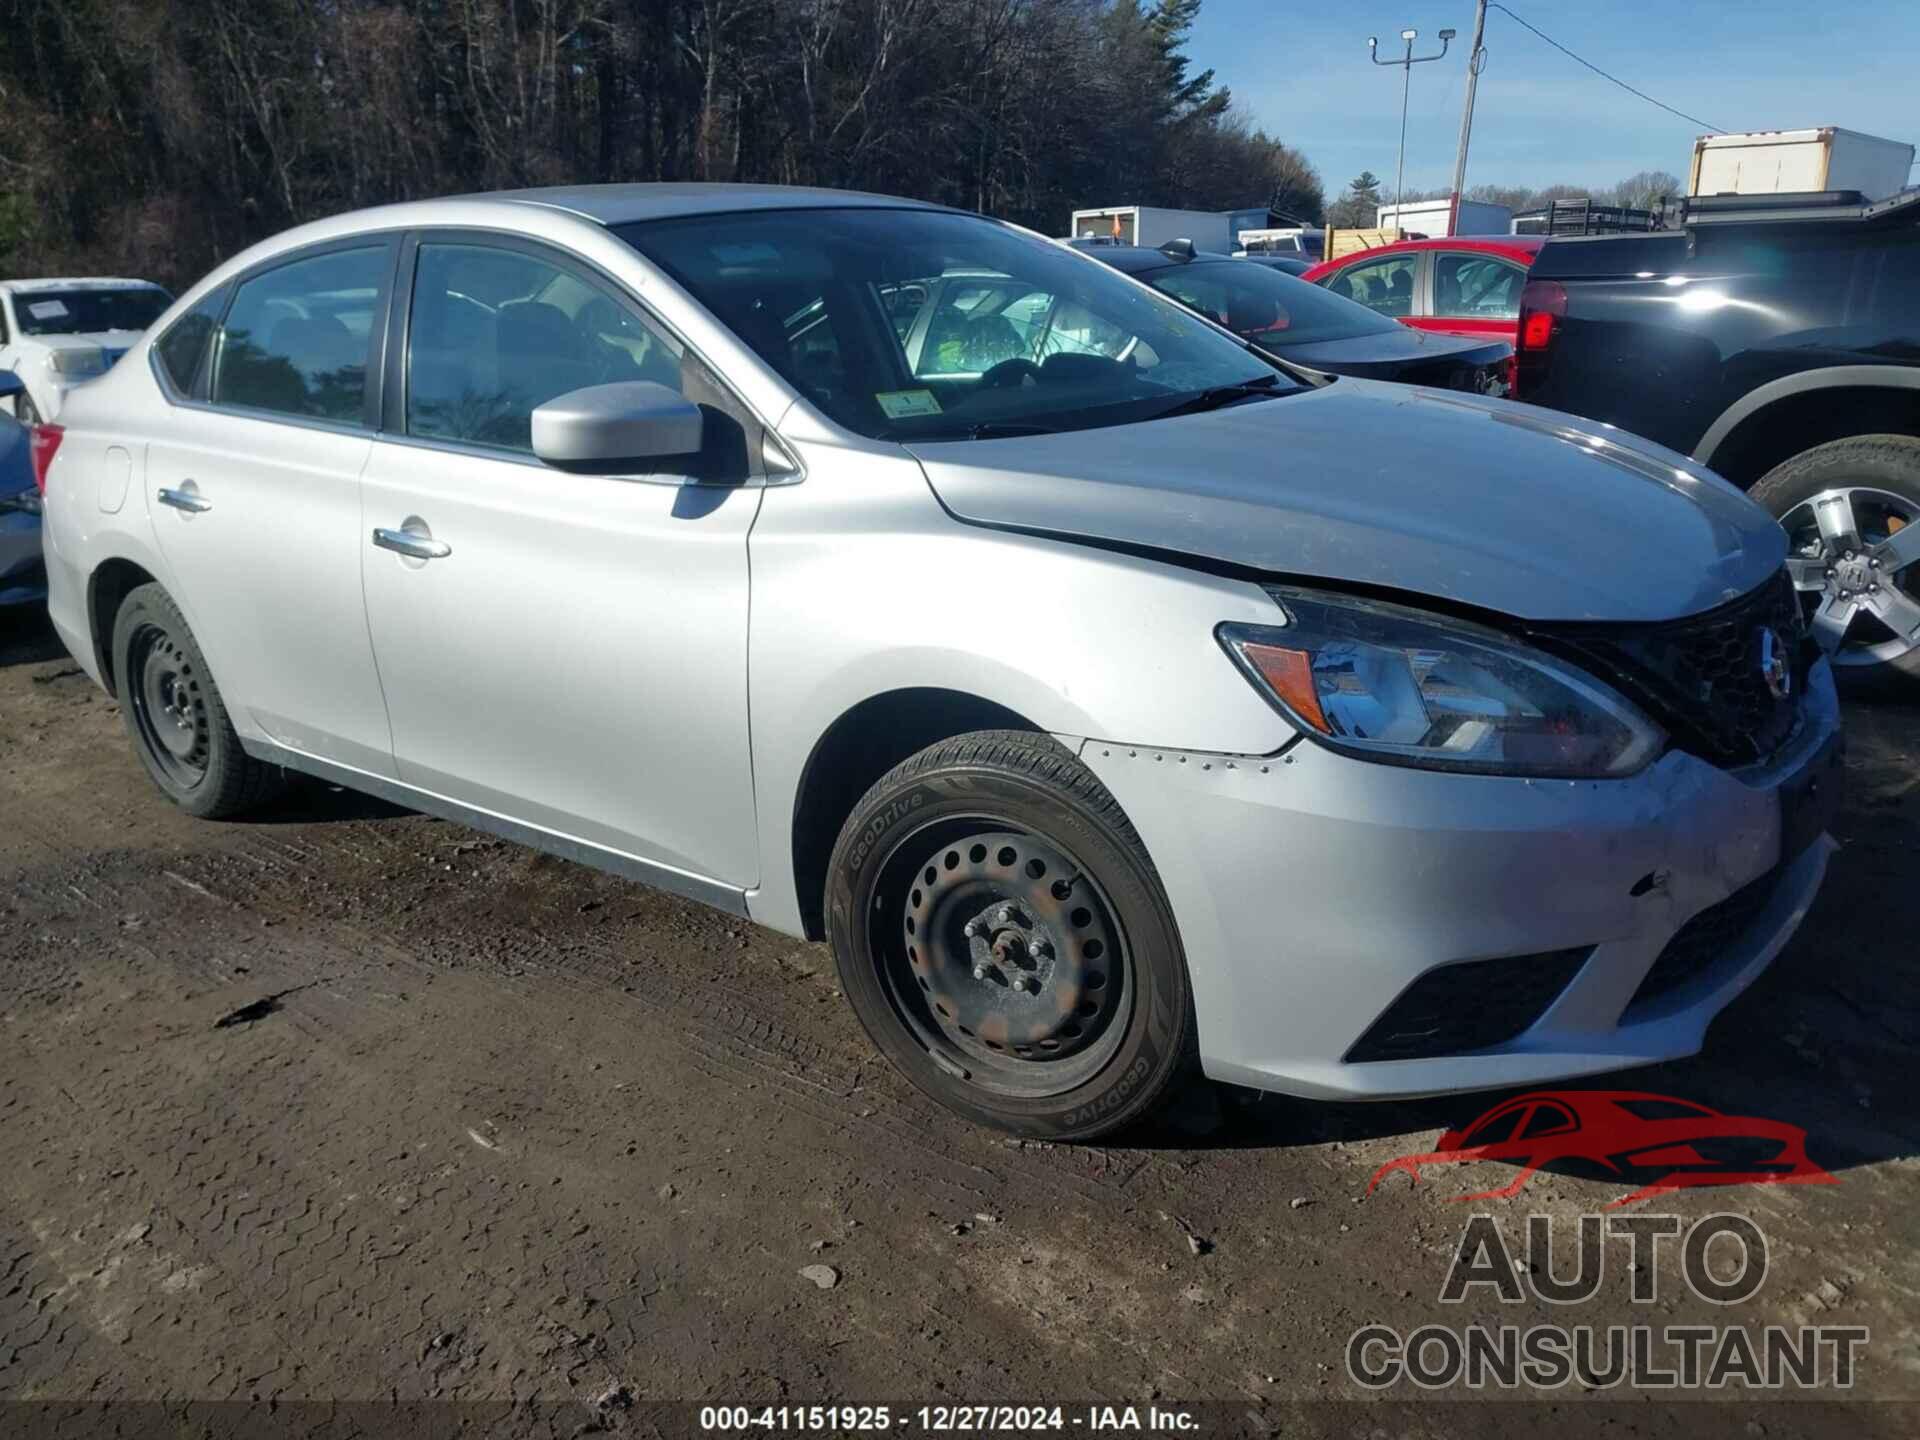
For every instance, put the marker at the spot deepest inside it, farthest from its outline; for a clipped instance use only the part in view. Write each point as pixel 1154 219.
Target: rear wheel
pixel 1004 938
pixel 175 716
pixel 1851 510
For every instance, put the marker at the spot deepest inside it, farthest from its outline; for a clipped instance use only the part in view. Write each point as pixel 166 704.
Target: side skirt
pixel 628 867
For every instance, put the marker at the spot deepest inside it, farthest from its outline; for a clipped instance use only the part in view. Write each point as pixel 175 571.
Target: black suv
pixel 1777 339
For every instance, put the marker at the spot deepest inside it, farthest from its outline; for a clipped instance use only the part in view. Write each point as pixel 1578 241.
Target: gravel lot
pixel 348 1103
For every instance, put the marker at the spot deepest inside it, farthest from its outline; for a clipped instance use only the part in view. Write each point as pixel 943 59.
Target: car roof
pixel 89 282
pixel 621 204
pixel 1516 246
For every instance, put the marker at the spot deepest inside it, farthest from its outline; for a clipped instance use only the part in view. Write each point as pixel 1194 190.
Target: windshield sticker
pixel 46 309
pixel 904 404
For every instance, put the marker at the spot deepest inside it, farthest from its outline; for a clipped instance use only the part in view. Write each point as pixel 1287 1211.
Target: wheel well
pixel 112 582
pixel 1789 426
pixel 860 747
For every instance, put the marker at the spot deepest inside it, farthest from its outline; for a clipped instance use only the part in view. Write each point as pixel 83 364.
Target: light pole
pixel 1476 62
pixel 1406 85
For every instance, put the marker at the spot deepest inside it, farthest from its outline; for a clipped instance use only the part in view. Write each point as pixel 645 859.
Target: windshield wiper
pixel 1260 389
pixel 1006 430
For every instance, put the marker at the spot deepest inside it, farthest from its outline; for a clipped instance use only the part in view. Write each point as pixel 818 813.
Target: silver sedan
pixel 1118 702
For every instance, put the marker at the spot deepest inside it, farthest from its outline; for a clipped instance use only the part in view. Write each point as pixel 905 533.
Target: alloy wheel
pixel 1855 559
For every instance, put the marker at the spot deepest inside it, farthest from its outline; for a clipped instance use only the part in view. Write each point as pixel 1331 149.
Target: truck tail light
pixel 1543 304
pixel 45 443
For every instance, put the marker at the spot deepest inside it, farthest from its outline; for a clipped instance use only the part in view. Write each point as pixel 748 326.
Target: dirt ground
pixel 348 1103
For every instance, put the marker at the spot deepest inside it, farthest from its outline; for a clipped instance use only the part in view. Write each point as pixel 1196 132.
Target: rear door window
pixel 297 338
pixel 1477 287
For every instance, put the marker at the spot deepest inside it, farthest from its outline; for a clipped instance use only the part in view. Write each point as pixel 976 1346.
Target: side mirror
pixel 11 385
pixel 602 427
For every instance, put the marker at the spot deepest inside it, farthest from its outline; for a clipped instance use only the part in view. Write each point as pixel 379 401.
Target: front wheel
pixel 1005 940
pixel 1851 510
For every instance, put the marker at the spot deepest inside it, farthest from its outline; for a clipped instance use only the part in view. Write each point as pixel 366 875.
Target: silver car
pixel 1117 702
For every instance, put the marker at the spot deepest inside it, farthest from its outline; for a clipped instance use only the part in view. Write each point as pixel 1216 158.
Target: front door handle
pixel 185 500
pixel 406 542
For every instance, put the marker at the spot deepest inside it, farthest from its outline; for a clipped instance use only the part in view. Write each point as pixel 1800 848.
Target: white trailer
pixel 1774 162
pixel 1151 226
pixel 1435 217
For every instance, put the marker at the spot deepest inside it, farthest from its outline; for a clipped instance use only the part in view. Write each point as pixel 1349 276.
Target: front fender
pixel 863 585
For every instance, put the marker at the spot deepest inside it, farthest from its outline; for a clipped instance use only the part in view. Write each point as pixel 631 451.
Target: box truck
pixel 1151 226
pixel 1432 217
pixel 1774 162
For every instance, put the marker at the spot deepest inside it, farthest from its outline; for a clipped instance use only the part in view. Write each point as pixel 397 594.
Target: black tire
pixel 166 689
pixel 1887 463
pixel 1009 823
pixel 24 410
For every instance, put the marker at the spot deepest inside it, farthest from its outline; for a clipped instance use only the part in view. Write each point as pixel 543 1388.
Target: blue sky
pixel 1301 71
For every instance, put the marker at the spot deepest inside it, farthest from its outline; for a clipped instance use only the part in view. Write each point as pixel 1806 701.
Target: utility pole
pixel 1406 86
pixel 1476 62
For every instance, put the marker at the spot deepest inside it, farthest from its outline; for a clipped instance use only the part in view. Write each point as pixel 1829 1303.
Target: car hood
pixel 1486 503
pixel 116 342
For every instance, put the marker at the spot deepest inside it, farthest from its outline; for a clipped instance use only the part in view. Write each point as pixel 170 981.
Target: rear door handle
pixel 185 500
pixel 405 542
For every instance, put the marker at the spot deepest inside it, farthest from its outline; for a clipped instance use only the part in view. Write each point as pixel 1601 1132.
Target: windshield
pixel 1265 305
pixel 923 325
pixel 87 312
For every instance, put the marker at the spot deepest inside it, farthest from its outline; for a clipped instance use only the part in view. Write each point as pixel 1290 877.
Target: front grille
pixel 1702 677
pixel 1705 938
pixel 1468 1006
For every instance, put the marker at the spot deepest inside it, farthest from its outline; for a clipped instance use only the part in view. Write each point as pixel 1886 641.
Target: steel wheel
pixel 1010 965
pixel 1853 554
pixel 169 710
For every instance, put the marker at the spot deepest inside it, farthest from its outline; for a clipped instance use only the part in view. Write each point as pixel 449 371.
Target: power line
pixel 1695 119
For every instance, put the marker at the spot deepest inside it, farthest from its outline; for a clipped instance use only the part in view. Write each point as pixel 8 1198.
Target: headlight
pixel 1409 688
pixel 76 362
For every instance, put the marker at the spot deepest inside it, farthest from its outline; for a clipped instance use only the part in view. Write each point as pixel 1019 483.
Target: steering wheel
pixel 1009 373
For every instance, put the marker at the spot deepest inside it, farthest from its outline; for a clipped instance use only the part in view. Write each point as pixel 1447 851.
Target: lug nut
pixel 1036 947
pixel 979 972
pixel 972 928
pixel 1006 915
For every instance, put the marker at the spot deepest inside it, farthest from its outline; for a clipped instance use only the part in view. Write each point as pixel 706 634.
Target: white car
pixel 1113 698
pixel 56 334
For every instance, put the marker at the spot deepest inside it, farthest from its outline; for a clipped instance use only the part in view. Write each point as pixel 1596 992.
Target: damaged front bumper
pixel 1319 897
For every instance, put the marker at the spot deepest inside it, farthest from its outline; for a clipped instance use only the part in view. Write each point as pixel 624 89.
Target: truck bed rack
pixel 1583 217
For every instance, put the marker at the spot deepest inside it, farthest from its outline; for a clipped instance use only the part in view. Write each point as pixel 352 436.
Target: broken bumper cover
pixel 1312 890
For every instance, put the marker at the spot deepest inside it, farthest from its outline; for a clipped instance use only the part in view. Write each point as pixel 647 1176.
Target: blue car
pixel 23 574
